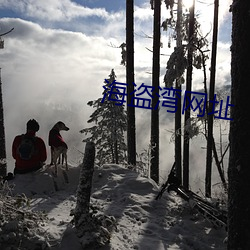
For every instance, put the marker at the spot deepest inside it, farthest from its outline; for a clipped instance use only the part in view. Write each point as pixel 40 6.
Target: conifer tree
pixel 110 125
pixel 131 126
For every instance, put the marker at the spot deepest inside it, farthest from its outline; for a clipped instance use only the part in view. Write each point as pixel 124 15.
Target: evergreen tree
pixel 110 124
pixel 186 145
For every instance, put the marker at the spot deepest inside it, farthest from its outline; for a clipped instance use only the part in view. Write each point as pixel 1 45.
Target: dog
pixel 57 152
pixel 58 146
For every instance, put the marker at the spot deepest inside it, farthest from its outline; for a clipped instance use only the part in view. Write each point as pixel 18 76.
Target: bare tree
pixel 211 103
pixel 239 160
pixel 94 231
pixel 84 186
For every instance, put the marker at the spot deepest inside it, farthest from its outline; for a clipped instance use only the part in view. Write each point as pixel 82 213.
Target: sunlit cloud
pixel 205 14
pixel 56 10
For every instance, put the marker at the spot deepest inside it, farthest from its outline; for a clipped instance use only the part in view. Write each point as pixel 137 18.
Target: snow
pixel 141 221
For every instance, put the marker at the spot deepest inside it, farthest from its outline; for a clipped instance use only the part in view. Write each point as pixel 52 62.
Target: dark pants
pixel 25 171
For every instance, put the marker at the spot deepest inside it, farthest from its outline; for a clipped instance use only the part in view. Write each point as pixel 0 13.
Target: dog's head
pixel 61 126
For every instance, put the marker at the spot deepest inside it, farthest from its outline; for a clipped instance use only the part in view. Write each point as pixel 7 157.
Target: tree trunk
pixel 94 231
pixel 116 152
pixel 216 158
pixel 211 105
pixel 3 162
pixel 81 215
pixel 178 88
pixel 188 95
pixel 154 168
pixel 131 135
pixel 239 160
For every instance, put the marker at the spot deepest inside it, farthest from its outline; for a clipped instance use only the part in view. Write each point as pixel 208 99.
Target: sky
pixel 60 51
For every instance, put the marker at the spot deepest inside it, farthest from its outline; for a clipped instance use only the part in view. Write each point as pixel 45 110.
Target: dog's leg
pixel 63 157
pixel 51 156
pixel 56 170
pixel 58 160
pixel 66 161
pixel 55 158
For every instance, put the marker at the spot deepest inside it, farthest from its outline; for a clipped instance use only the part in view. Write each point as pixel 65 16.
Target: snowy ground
pixel 142 222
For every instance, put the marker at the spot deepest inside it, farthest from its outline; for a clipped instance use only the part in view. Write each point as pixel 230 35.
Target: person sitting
pixel 29 150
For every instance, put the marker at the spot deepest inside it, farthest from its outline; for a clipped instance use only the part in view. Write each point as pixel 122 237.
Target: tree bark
pixel 216 158
pixel 83 193
pixel 154 169
pixel 178 158
pixel 211 105
pixel 239 160
pixel 131 131
pixel 188 95
pixel 93 229
pixel 3 161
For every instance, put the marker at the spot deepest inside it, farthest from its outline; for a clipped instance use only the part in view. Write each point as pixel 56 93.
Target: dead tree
pixel 93 229
pixel 84 187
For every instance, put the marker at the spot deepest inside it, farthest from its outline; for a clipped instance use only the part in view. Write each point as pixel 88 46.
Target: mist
pixel 51 69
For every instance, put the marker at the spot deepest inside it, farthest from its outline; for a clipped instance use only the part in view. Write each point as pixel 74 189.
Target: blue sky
pixel 108 5
pixel 88 16
pixel 60 51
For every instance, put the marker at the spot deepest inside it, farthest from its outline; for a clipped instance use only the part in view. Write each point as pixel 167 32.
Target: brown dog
pixel 58 146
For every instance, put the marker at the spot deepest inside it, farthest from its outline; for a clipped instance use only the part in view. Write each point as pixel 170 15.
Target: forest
pixel 216 115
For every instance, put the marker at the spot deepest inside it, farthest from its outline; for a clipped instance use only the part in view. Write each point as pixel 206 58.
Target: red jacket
pixel 55 139
pixel 37 159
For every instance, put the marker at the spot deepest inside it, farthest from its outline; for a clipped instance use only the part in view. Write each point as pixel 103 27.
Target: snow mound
pixel 42 182
pixel 141 221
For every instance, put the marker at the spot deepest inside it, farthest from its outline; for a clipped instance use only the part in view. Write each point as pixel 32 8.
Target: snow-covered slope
pixel 141 221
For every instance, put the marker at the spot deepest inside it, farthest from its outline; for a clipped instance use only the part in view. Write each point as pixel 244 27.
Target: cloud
pixel 205 14
pixel 56 10
pixel 55 63
pixel 143 12
pixel 50 75
pixel 46 72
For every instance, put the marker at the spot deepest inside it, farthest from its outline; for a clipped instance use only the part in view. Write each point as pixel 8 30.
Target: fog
pixel 50 72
